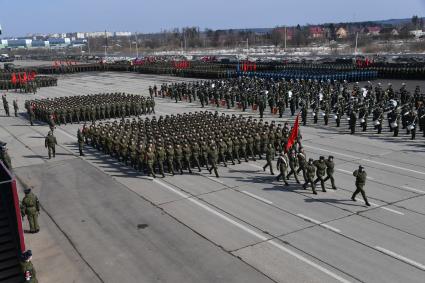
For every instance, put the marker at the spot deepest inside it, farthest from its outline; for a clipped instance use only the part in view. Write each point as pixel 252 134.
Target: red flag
pixel 20 78
pixel 25 77
pixel 294 134
pixel 33 75
pixel 13 79
pixel 255 67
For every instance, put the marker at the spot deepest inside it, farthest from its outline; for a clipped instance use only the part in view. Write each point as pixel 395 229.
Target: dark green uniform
pixel 30 207
pixel 311 171
pixel 360 175
pixel 50 143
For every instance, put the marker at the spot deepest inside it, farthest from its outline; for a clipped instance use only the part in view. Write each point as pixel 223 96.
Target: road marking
pixel 254 233
pixel 413 189
pixel 348 172
pixel 214 179
pixel 255 166
pixel 257 197
pixel 402 258
pixel 319 223
pixel 367 160
pixel 392 210
pixel 66 133
pixel 383 207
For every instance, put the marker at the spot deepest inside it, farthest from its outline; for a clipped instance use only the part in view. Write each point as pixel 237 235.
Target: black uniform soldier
pixel 330 165
pixel 80 140
pixel 50 143
pixel 320 172
pixel 30 207
pixel 311 171
pixel 269 158
pixel 360 175
pixel 282 166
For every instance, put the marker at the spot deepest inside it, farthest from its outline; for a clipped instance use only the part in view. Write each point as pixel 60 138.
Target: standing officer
pixel 330 165
pixel 15 107
pixel 360 175
pixel 27 268
pixel 50 142
pixel 30 207
pixel 282 166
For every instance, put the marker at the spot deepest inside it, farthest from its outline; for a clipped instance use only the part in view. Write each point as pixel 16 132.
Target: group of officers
pixel 366 107
pixel 188 141
pixel 76 109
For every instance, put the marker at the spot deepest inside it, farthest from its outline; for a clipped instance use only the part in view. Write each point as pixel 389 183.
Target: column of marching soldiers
pixel 366 107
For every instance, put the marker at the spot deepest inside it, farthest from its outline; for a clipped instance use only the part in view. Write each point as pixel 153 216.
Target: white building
pixel 417 33
pixel 122 33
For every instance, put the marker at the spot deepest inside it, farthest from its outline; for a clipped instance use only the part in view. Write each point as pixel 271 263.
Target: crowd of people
pixel 82 108
pixel 365 106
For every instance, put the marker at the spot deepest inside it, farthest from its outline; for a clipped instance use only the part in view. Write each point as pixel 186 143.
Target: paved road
pixel 242 227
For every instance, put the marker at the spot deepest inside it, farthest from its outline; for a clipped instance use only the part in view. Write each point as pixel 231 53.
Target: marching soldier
pixel 269 157
pixel 282 166
pixel 80 140
pixel 330 165
pixel 15 107
pixel 50 143
pixel 293 164
pixel 311 172
pixel 360 175
pixel 320 172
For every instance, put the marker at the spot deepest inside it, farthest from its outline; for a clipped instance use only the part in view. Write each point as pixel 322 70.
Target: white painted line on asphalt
pixel 254 233
pixel 214 179
pixel 402 258
pixel 367 160
pixel 255 166
pixel 392 210
pixel 351 173
pixel 257 197
pixel 319 223
pixel 383 207
pixel 345 171
pixel 66 133
pixel 413 189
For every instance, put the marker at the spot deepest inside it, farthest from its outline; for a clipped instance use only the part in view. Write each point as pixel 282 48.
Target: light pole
pixel 137 47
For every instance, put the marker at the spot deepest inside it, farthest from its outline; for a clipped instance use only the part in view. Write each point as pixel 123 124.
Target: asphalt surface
pixel 118 226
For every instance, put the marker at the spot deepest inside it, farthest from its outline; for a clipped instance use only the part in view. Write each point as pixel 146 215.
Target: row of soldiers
pixel 76 109
pixel 29 86
pixel 331 100
pixel 182 140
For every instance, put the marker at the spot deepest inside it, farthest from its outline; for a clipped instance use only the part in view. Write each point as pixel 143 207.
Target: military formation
pixel 365 107
pixel 84 108
pixel 29 86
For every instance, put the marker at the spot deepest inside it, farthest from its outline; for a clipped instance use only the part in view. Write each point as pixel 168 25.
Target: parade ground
pixel 101 221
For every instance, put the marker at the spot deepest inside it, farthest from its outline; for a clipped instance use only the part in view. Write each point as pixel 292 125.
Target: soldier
pixel 330 165
pixel 311 171
pixel 352 122
pixel 170 159
pixel 150 160
pixel 160 158
pixel 302 161
pixel 195 154
pixel 178 158
pixel 293 164
pixel 4 156
pixel 15 107
pixel 360 175
pixel 269 157
pixel 282 166
pixel 80 140
pixel 320 172
pixel 6 107
pixel 50 143
pixel 187 156
pixel 213 156
pixel 30 207
pixel 27 268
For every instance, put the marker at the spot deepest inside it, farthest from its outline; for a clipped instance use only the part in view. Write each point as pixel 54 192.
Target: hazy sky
pixel 46 16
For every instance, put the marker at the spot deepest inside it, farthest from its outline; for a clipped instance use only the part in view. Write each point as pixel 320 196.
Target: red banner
pixel 294 134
